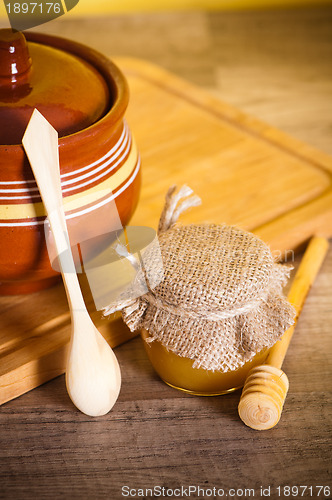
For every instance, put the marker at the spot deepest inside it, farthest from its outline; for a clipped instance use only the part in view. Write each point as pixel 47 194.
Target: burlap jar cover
pixel 220 300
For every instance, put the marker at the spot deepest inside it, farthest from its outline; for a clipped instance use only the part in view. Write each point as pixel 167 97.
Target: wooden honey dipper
pixel 266 386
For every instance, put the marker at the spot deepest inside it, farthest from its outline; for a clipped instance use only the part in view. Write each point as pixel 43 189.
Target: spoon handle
pixel 40 142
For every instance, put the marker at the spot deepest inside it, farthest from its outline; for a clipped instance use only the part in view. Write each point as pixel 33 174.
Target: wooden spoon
pixel 93 376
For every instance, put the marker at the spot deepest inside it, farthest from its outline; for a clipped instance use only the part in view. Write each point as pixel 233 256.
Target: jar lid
pixel 65 88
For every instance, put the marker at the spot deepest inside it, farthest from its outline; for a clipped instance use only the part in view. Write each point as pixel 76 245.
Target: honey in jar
pixel 178 372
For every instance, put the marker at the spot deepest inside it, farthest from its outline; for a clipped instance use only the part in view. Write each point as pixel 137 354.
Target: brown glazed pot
pixel 84 96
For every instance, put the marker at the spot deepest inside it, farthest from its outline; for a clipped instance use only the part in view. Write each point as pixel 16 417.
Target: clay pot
pixel 84 96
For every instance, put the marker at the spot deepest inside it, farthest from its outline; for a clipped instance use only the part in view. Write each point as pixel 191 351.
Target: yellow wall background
pixel 97 7
pixel 103 6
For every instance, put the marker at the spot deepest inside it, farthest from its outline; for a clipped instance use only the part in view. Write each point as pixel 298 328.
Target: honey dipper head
pixel 263 397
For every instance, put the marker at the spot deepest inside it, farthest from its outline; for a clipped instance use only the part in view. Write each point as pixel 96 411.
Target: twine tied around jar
pixel 220 299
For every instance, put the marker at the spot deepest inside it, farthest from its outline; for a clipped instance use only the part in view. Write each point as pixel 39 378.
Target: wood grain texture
pixel 246 172
pixel 276 66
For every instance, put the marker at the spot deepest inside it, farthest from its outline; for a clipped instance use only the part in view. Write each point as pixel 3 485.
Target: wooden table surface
pixel 275 65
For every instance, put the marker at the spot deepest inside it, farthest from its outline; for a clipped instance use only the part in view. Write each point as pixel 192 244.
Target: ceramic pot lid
pixel 67 90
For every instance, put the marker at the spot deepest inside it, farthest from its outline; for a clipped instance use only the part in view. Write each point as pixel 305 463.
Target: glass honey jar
pixel 217 306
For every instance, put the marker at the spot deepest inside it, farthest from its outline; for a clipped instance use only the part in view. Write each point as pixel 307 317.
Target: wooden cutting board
pixel 246 173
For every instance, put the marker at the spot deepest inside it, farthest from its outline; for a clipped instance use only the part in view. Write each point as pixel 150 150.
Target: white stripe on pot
pixel 84 211
pixel 126 144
